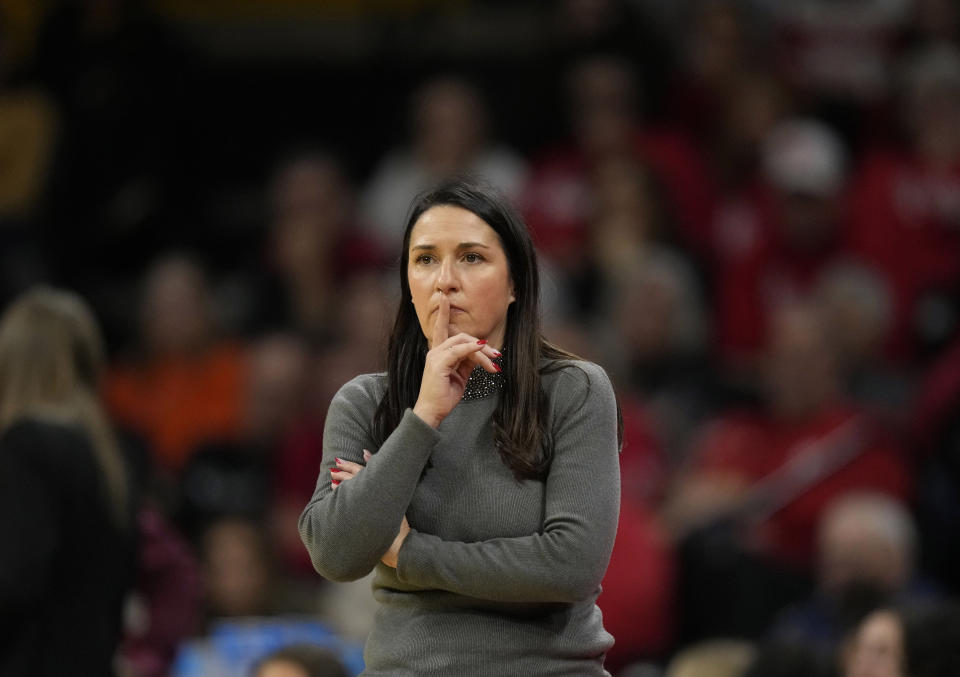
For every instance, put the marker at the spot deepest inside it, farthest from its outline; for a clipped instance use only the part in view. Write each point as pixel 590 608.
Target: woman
pixel 66 556
pixel 489 504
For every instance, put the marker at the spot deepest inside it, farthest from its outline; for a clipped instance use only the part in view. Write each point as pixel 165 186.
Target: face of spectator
pixel 449 126
pixel 312 201
pixel 646 317
pixel 175 314
pixel 602 107
pixel 277 386
pixel 877 648
pixel 280 668
pixel 716 44
pixel 800 372
pixel 857 315
pixel 453 252
pixel 236 571
pixel 852 550
pixel 750 113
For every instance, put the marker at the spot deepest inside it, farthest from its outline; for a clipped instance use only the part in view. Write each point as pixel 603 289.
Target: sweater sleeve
pixel 29 527
pixel 347 531
pixel 566 561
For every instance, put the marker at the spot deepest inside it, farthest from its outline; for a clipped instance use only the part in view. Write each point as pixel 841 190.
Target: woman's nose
pixel 446 277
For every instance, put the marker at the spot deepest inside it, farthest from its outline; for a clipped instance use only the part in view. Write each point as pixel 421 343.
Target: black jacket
pixel 65 566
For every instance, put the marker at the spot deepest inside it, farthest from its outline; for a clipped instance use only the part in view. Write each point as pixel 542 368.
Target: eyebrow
pixel 462 245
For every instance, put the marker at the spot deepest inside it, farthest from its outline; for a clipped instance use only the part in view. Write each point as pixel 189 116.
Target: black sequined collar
pixel 482 383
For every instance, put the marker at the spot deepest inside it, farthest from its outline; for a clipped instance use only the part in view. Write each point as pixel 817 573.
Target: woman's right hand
pixel 447 368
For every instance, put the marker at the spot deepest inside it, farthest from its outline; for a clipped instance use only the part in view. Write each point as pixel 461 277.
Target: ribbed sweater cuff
pixel 418 432
pixel 413 560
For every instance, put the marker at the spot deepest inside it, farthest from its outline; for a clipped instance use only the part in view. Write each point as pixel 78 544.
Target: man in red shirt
pixel 906 203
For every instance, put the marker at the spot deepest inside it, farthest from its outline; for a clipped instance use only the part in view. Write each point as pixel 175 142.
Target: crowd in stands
pixel 748 212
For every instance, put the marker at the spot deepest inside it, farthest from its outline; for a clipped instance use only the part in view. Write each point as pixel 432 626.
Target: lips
pixel 453 309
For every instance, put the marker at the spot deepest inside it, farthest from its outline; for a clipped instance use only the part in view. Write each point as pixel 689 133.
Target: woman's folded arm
pixel 347 531
pixel 566 561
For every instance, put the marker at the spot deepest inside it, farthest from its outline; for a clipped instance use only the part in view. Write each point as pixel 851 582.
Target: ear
pixel 512 297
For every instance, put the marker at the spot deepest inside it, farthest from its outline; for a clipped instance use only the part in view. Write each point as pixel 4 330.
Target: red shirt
pixel 906 221
pixel 753 446
pixel 556 201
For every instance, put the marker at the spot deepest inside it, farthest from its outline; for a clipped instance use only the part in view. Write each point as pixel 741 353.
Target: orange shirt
pixel 180 402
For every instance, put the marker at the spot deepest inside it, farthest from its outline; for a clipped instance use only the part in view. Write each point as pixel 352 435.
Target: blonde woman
pixel 65 519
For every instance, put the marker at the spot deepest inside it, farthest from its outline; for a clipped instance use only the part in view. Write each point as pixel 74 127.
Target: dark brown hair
pixel 519 421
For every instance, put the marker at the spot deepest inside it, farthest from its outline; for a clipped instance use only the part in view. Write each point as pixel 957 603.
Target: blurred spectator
pixel 638 589
pixel 756 102
pixel 804 169
pixel 907 203
pixel 912 641
pixel 719 658
pixel 867 557
pixel 450 135
pixel 716 47
pixel 760 481
pixel 655 345
pixel 299 660
pixel 876 649
pixel 858 307
pixel 187 385
pixel 838 56
pixel 315 247
pixel 603 122
pixel 164 608
pixel 234 476
pixel 238 575
pixel 66 504
pixel 233 647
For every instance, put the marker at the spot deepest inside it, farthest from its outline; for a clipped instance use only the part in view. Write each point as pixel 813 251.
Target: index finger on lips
pixel 440 325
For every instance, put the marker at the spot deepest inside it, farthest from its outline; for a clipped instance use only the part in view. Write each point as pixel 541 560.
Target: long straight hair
pixel 520 419
pixel 51 356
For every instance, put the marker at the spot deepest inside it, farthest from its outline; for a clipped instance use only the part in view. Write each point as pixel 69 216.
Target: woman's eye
pixel 472 258
pixel 423 258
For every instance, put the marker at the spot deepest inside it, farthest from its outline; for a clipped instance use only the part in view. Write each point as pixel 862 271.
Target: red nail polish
pixel 338 460
pixel 497 367
pixel 482 341
pixel 334 470
pixel 335 482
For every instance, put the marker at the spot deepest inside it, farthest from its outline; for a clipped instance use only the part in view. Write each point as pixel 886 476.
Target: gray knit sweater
pixel 497 576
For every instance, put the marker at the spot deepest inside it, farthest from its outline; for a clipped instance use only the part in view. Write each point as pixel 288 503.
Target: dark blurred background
pixel 748 211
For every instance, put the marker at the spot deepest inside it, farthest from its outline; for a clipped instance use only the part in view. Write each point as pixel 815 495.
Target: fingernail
pixel 335 482
pixel 497 367
pixel 497 353
pixel 338 460
pixel 334 470
pixel 482 341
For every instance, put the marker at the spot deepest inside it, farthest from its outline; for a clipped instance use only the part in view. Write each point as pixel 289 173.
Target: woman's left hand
pixel 346 470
